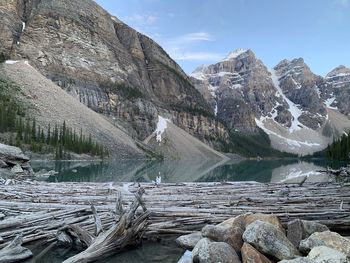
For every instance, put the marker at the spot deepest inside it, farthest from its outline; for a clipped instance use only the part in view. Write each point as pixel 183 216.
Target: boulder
pixel 328 239
pixel 3 164
pixel 17 169
pixel 238 221
pixel 327 255
pixel 186 257
pixel 301 229
pixel 270 240
pixel 189 241
pixel 251 255
pixel 232 236
pixel 298 260
pixel 272 219
pixel 12 153
pixel 207 251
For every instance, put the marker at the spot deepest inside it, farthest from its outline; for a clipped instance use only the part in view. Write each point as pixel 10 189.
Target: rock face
pixel 207 251
pixel 337 90
pixel 106 65
pixel 289 102
pixel 268 239
pixel 327 238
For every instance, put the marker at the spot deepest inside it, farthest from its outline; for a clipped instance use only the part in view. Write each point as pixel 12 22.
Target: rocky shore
pixel 13 162
pixel 261 238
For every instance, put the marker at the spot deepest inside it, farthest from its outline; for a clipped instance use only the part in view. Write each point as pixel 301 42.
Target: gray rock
pixel 301 229
pixel 327 255
pixel 269 240
pixel 3 164
pixel 298 260
pixel 207 251
pixel 11 153
pixel 17 169
pixel 189 241
pixel 328 239
pixel 232 236
pixel 186 257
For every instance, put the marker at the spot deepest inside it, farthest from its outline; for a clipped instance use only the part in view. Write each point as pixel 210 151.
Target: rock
pixel 272 219
pixel 298 260
pixel 327 255
pixel 237 221
pixel 328 239
pixel 301 229
pixel 270 240
pixel 207 251
pixel 310 227
pixel 189 241
pixel 232 236
pixel 17 169
pixel 5 173
pixel 186 257
pixel 11 153
pixel 251 255
pixel 3 164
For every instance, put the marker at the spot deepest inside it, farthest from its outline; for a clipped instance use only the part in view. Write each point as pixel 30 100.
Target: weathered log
pixel 127 231
pixel 14 251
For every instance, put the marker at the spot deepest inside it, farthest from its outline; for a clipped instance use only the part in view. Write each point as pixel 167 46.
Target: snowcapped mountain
pixel 295 107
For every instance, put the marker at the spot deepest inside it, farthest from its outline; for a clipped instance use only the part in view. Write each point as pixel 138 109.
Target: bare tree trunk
pixel 128 230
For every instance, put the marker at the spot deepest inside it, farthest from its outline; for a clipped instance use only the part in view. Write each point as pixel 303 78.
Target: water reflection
pixel 183 171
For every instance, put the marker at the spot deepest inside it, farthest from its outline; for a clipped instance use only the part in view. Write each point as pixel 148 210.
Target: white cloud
pixel 185 47
pixel 138 19
pixel 198 56
pixel 189 38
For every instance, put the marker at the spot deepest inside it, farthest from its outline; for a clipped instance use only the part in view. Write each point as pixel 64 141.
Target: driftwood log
pixel 127 230
pixel 14 251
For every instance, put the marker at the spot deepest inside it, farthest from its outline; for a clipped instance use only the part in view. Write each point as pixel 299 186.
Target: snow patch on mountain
pixel 235 54
pixel 293 108
pixel 329 102
pixel 161 127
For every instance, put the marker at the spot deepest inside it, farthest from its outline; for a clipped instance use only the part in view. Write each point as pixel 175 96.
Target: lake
pixel 174 171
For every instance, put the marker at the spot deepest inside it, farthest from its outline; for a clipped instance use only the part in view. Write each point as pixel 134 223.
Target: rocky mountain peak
pixel 237 53
pixel 340 72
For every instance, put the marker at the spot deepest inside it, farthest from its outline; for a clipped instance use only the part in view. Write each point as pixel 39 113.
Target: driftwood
pixel 14 251
pixel 38 210
pixel 128 230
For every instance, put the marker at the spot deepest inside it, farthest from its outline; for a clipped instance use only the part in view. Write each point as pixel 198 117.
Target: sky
pixel 197 32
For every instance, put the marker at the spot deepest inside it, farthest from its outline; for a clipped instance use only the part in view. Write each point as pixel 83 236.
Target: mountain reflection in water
pixel 174 171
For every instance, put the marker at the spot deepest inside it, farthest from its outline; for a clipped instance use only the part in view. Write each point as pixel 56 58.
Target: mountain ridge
pixel 289 102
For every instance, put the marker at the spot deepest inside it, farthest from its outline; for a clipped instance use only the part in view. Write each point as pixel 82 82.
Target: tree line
pixel 338 150
pixel 26 133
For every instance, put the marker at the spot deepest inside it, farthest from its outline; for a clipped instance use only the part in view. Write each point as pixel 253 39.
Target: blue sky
pixel 196 32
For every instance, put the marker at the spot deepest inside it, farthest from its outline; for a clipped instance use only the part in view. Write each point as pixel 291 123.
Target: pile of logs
pixel 50 211
pixel 341 175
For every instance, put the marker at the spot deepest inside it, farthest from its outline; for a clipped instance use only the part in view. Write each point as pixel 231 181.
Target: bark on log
pixel 128 230
pixel 14 251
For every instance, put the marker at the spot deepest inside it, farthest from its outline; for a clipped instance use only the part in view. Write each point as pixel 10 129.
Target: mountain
pixel 289 102
pixel 337 90
pixel 51 105
pixel 106 65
